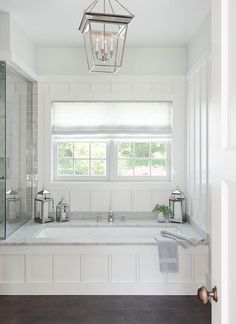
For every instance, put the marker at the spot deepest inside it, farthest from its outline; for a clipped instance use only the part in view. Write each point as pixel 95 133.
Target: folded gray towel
pixel 168 254
pixel 182 239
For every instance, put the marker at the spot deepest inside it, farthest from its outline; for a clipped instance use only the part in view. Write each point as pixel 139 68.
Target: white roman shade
pixel 111 118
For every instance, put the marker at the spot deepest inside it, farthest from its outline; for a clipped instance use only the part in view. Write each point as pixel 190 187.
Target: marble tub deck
pixel 26 235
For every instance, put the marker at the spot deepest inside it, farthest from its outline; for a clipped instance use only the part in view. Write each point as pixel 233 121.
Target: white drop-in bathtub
pixel 101 234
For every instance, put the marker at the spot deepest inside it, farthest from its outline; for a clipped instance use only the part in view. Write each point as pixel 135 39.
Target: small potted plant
pixel 163 212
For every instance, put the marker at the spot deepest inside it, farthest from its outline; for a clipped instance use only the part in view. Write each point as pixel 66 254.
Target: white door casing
pixel 222 120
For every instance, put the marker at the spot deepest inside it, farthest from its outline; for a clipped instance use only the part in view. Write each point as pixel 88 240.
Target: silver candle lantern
pixel 177 206
pixel 43 207
pixel 13 201
pixel 62 211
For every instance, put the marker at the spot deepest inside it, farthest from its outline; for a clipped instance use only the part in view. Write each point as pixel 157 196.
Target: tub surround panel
pixel 98 270
pixel 126 265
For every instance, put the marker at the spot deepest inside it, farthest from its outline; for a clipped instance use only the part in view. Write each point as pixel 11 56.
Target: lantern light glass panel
pixel 104 44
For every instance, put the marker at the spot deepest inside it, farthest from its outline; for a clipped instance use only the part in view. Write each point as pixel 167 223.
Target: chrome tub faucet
pixel 110 216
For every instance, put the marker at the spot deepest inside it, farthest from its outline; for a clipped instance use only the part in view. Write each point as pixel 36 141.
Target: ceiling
pixel 54 23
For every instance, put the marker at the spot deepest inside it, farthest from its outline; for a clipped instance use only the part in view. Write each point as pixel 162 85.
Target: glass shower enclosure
pixel 16 139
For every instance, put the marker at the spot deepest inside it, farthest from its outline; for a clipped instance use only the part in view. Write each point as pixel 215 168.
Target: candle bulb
pixel 111 44
pixel 105 47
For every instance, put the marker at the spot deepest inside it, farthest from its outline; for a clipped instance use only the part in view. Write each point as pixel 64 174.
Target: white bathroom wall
pixel 5 39
pixel 200 44
pixel 16 47
pixel 198 101
pixel 137 61
pixel 22 46
pixel 120 196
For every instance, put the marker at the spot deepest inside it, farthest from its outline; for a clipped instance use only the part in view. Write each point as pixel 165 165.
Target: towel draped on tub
pixel 168 248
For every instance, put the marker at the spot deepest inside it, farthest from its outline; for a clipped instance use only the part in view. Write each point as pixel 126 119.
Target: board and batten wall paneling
pixel 120 196
pixel 98 270
pixel 198 100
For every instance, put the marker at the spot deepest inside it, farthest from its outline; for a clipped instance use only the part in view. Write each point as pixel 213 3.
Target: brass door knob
pixel 204 295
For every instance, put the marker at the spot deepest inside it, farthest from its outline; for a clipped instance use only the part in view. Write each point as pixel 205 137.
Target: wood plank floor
pixel 103 310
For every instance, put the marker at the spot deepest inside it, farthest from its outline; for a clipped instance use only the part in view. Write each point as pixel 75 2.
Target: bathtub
pixel 106 234
pixel 84 257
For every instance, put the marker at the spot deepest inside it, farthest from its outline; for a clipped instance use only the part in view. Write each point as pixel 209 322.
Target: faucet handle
pixel 99 218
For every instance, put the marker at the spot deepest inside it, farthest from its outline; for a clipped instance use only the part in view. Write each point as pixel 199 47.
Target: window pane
pixel 141 150
pixel 125 167
pixel 159 150
pixel 65 149
pixel 141 168
pixel 98 168
pixel 158 168
pixel 82 167
pixel 81 150
pixel 98 150
pixel 65 166
pixel 125 150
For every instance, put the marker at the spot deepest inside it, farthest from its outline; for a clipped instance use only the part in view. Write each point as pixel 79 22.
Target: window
pixel 111 141
pixel 81 159
pixel 142 159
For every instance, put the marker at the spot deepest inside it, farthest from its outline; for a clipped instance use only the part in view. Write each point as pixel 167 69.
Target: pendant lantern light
pixel 104 27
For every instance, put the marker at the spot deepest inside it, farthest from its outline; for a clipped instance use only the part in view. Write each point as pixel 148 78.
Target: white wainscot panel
pixel 67 268
pixel 12 268
pixel 39 268
pixel 57 195
pixel 141 90
pixel 99 89
pixel 100 200
pixel 141 200
pixel 123 268
pixel 80 200
pixel 94 268
pixel 80 89
pixel 121 89
pixel 161 197
pixel 121 200
pixel 162 88
pixel 200 268
pixel 185 270
pixel 149 269
pixel 58 89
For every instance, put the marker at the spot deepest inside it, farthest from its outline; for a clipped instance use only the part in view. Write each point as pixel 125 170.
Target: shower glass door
pixel 15 150
pixel 18 150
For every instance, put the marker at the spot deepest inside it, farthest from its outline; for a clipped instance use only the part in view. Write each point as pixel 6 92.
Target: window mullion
pixel 90 159
pixel 112 160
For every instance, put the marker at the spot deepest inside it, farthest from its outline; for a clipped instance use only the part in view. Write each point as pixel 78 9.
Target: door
pixel 222 120
pixel 2 150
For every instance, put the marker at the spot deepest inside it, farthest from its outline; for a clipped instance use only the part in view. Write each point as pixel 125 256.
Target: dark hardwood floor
pixel 103 310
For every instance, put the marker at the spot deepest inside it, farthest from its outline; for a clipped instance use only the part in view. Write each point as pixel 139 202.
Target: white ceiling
pixel 54 23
